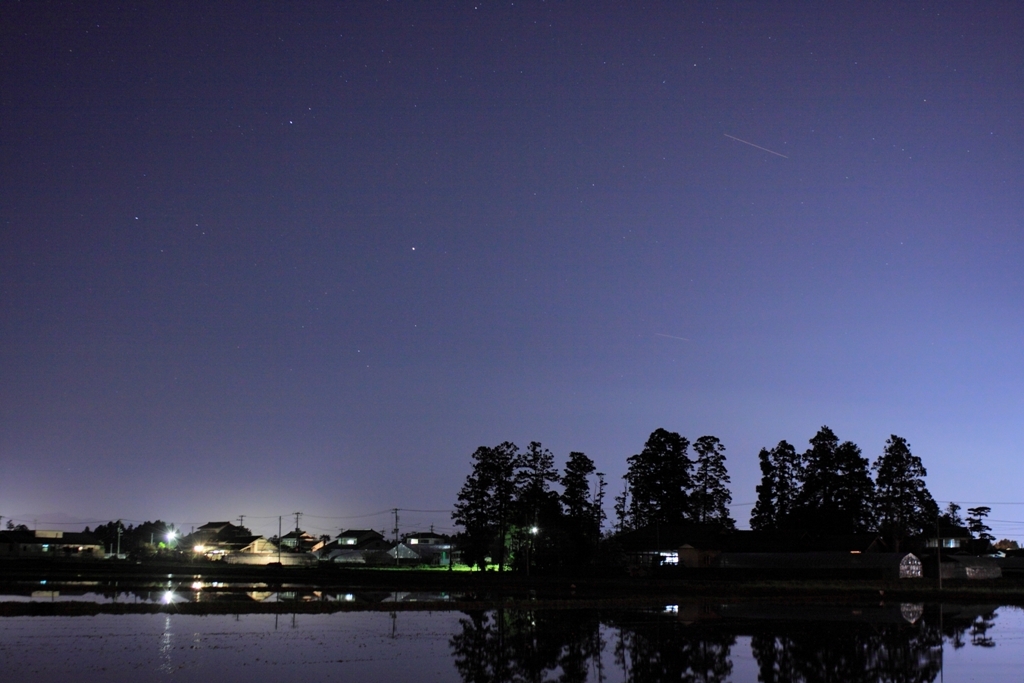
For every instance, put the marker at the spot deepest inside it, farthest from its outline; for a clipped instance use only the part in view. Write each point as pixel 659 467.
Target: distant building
pixel 299 541
pixel 432 549
pixel 214 540
pixel 260 551
pixel 53 545
pixel 354 546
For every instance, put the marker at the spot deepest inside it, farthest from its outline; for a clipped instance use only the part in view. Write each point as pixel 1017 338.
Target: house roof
pixel 349 533
pixel 297 534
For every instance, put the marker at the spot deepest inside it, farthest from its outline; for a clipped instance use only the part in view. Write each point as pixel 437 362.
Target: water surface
pixel 698 641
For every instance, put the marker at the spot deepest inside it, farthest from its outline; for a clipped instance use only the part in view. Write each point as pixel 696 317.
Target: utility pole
pixel 241 520
pixel 395 510
pixel 297 515
pixel 119 539
pixel 938 550
pixel 279 539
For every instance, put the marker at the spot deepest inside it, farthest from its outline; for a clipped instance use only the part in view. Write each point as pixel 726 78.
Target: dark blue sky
pixel 265 257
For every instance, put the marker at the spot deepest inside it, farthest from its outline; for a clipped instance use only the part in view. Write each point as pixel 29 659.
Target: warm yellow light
pixel 199 549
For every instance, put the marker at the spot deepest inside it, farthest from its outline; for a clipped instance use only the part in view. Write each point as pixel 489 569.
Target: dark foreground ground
pixel 313 590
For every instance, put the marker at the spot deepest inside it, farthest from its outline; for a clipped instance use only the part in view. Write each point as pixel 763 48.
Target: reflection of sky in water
pixel 364 646
pixel 1001 662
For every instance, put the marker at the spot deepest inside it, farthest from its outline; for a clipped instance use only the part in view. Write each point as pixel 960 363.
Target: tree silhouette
pixel 836 492
pixel 781 474
pixel 583 508
pixel 486 503
pixel 710 496
pixel 658 480
pixel 903 504
pixel 976 523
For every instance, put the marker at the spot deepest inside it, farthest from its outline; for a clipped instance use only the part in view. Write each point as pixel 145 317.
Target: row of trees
pixel 513 516
pixel 828 489
pixel 509 508
pixel 664 486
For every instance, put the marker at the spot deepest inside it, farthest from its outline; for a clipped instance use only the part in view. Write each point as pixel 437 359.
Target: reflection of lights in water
pixel 165 644
pixel 912 611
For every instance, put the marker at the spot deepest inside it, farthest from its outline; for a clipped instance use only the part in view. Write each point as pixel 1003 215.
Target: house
pixel 359 538
pixel 949 538
pixel 299 541
pixel 433 549
pixel 49 545
pixel 354 546
pixel 214 540
pixel 426 538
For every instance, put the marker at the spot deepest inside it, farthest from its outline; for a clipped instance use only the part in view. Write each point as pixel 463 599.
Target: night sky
pixel 259 258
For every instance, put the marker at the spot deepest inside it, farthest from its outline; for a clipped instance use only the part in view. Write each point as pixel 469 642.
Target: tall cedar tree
pixel 902 502
pixel 537 506
pixel 486 503
pixel 710 496
pixel 658 479
pixel 951 515
pixel 782 470
pixel 577 502
pixel 537 503
pixel 583 509
pixel 837 491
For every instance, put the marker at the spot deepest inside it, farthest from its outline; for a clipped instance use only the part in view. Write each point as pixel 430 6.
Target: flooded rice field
pixel 700 640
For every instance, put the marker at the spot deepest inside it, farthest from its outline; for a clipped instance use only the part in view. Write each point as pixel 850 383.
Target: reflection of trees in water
pixel 848 652
pixel 566 646
pixel 979 630
pixel 654 648
pixel 974 624
pixel 524 645
pixel 824 651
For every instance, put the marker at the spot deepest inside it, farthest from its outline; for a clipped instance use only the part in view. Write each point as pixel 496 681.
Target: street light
pixel 533 532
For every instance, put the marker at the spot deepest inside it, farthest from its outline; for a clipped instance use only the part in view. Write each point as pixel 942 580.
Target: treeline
pixel 140 540
pixel 512 516
pixel 829 489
